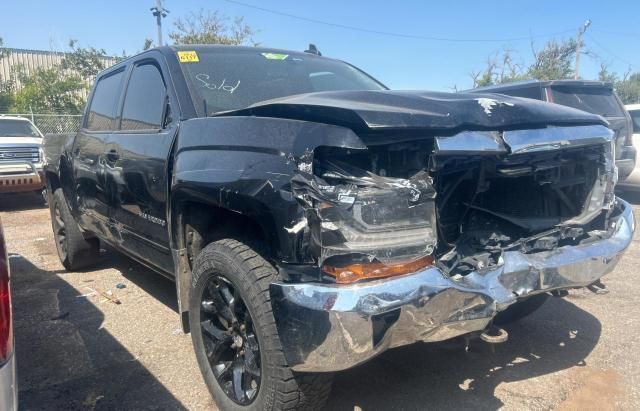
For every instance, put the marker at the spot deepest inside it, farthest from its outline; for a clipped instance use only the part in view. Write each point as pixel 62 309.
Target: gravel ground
pixel 81 351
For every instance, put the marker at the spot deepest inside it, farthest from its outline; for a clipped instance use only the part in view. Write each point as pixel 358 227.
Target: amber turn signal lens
pixel 360 271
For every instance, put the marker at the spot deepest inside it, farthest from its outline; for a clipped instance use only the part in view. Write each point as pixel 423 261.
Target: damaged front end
pixel 362 225
pixel 428 238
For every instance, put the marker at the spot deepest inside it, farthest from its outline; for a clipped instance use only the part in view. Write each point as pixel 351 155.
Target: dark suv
pixel 592 96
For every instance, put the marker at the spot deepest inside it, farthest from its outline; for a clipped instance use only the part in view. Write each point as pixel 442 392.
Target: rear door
pixel 89 153
pixel 137 161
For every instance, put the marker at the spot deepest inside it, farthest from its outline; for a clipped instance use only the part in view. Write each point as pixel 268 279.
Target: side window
pixel 528 92
pixel 144 100
pixel 102 111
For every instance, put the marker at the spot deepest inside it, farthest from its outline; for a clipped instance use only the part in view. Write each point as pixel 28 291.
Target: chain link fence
pixel 53 123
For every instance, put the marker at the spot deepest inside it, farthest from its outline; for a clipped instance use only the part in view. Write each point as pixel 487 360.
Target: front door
pixel 137 162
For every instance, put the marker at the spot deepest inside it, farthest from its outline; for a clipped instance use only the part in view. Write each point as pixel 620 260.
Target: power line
pixel 388 33
pixel 617 33
pixel 611 53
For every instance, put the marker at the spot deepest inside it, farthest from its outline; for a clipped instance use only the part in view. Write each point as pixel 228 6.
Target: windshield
pixel 635 118
pixel 17 128
pixel 595 100
pixel 231 79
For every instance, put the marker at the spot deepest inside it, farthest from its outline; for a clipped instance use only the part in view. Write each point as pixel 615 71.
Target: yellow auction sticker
pixel 188 57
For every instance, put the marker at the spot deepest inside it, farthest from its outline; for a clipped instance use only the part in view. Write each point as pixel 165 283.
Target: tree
pixel 48 90
pixel 6 85
pixel 3 51
pixel 148 43
pixel 605 75
pixel 59 89
pixel 86 62
pixel 6 95
pixel 554 61
pixel 628 88
pixel 500 68
pixel 211 27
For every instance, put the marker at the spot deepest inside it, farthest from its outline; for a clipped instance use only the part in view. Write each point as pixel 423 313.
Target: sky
pixel 408 44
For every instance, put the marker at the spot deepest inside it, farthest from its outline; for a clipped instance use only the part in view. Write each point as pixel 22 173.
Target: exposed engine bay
pixel 400 202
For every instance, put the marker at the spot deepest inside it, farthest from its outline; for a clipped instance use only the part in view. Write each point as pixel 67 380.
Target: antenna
pixel 313 50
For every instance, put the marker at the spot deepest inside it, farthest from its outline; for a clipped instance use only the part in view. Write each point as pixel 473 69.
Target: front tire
pixel 235 336
pixel 75 252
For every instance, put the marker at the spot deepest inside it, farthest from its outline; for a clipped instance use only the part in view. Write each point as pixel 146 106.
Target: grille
pixel 13 154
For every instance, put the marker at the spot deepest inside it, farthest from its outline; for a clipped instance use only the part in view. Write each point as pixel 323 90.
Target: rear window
pixel 526 92
pixel 17 128
pixel 594 100
pixel 635 118
pixel 102 111
pixel 144 99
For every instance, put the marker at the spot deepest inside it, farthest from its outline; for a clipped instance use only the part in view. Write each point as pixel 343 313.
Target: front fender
pixel 245 164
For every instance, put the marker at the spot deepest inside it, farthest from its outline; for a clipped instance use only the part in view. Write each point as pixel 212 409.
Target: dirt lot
pixel 77 351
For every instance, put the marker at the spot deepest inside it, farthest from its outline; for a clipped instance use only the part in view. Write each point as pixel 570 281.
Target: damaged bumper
pixel 328 327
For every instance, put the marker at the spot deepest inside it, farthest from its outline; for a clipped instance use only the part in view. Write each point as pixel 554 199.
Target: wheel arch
pixel 197 219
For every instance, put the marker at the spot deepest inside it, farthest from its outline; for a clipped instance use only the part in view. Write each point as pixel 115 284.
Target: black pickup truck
pixel 312 219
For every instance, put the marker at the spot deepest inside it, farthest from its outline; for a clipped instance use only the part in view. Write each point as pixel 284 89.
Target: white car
pixel 20 156
pixel 633 181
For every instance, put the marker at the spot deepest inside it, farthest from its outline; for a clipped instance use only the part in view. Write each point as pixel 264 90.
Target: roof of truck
pixel 171 51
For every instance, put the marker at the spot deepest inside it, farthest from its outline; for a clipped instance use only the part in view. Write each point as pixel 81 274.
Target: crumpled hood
pixel 440 112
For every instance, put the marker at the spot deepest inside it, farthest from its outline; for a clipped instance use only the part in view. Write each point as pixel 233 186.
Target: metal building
pixel 30 60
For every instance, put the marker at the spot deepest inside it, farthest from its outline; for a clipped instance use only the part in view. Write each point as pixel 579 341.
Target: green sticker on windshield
pixel 275 56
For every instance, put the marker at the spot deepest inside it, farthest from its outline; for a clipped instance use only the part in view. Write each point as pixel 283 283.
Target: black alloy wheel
pixel 230 340
pixel 60 231
pixel 75 250
pixel 235 337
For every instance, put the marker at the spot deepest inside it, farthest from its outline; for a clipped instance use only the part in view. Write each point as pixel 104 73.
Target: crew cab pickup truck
pixel 312 219
pixel 20 156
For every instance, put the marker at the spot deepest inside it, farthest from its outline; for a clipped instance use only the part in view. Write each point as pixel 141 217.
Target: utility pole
pixel 581 31
pixel 159 13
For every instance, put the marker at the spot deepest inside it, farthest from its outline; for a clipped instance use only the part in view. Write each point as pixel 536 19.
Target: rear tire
pixel 233 330
pixel 74 250
pixel 521 309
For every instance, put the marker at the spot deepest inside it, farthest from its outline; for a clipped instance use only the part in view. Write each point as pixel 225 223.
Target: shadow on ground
pixel 65 359
pixel 154 284
pixel 21 202
pixel 444 376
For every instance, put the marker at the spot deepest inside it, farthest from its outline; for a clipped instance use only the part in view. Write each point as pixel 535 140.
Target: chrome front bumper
pixel 20 176
pixel 329 327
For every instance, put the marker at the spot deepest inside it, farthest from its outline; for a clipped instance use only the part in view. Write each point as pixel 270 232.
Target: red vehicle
pixel 8 382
